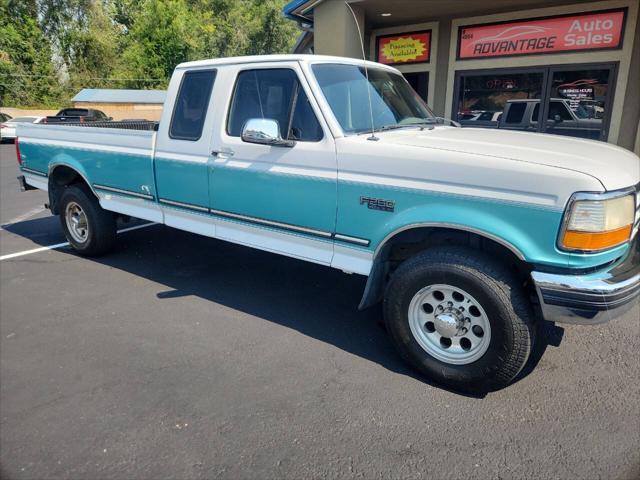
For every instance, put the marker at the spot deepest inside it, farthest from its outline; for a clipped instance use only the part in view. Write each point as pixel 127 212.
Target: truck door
pixel 279 198
pixel 182 152
pixel 561 121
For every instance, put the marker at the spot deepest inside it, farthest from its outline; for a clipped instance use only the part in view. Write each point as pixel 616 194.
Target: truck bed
pixel 111 159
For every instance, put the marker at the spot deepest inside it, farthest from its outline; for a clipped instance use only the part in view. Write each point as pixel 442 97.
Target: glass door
pixel 579 101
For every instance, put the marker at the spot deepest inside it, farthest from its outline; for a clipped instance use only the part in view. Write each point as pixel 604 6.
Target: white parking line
pixel 65 244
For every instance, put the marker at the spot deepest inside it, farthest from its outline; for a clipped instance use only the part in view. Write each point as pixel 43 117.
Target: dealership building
pixel 555 66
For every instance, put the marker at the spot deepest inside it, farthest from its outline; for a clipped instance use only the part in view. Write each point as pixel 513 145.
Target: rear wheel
pixel 459 318
pixel 89 228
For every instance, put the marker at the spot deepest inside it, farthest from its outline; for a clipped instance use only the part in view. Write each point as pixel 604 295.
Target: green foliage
pixel 27 75
pixel 163 34
pixel 67 45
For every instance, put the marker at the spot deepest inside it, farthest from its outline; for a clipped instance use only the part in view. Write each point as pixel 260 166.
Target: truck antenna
pixel 366 74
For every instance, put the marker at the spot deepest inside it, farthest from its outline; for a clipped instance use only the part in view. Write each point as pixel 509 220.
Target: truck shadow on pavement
pixel 317 301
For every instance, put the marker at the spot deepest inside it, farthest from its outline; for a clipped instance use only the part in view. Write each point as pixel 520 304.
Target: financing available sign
pixel 404 48
pixel 563 33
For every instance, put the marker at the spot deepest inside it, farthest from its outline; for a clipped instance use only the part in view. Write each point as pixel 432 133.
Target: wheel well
pixel 60 178
pixel 407 243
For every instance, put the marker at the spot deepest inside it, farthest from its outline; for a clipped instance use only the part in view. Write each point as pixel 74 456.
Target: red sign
pixel 404 48
pixel 565 33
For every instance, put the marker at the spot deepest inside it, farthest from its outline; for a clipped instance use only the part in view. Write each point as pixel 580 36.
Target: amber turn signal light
pixel 596 241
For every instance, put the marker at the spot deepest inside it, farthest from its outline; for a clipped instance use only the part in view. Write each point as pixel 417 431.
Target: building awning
pixel 300 10
pixel 114 95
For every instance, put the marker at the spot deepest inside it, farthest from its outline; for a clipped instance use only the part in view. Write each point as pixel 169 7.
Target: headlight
pixel 595 222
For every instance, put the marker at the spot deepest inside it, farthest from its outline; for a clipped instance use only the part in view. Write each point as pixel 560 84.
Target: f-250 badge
pixel 378 204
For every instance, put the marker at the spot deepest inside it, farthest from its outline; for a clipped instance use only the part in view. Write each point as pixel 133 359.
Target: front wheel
pixel 89 228
pixel 459 318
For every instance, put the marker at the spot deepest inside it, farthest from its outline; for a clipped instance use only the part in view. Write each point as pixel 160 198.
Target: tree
pixel 93 53
pixel 163 34
pixel 27 75
pixel 57 47
pixel 248 27
pixel 272 32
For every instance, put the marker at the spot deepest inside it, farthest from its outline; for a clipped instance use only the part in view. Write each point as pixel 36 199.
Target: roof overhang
pixel 300 10
pixel 386 13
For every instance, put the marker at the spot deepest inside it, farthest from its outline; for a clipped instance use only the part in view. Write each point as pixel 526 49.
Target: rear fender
pixel 55 189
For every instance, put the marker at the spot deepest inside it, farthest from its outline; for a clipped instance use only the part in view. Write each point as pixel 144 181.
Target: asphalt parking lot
pixel 179 356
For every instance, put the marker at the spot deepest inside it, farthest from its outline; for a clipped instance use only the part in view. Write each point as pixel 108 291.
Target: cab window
pixel 515 112
pixel 275 94
pixel 191 105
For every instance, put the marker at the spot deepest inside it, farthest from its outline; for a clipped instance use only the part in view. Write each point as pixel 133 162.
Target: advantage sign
pixel 404 48
pixel 562 33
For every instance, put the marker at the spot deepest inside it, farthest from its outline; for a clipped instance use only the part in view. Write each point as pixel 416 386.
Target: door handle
pixel 223 152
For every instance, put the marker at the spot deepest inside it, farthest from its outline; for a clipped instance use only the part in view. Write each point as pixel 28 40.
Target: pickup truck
pixel 561 118
pixel 469 237
pixel 77 115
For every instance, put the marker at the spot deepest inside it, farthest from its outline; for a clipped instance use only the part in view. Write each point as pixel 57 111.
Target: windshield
pixel 394 103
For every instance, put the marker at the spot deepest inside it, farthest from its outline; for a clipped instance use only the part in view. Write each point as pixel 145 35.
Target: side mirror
pixel 557 118
pixel 264 131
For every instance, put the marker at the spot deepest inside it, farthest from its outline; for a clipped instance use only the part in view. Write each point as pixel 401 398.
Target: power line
pixel 88 78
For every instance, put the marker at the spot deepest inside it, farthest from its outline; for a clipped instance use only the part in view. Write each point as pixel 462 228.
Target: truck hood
pixel 612 166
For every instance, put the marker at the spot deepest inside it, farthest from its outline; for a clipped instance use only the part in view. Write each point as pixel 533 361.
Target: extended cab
pixel 468 236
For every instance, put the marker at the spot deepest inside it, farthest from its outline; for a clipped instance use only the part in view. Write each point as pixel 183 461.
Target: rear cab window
pixel 73 112
pixel 515 112
pixel 191 105
pixel 274 93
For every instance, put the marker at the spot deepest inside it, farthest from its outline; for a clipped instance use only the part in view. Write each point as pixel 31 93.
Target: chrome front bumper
pixel 591 298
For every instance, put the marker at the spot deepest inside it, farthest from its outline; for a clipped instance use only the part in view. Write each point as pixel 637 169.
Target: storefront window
pixel 482 98
pixel 573 100
pixel 578 104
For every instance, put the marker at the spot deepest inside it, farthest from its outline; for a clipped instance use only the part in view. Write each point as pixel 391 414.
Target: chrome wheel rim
pixel 76 221
pixel 449 324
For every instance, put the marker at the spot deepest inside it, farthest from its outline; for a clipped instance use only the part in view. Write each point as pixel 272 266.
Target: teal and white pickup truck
pixel 467 235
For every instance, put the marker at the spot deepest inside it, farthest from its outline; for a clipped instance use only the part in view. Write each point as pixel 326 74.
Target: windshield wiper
pixel 384 128
pixel 395 126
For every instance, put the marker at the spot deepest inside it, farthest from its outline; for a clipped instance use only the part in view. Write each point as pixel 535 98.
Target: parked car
pixel 78 115
pixel 561 118
pixel 468 236
pixel 4 117
pixel 8 127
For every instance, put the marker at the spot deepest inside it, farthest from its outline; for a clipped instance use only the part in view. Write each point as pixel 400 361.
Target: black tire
pixel 500 295
pixel 101 236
